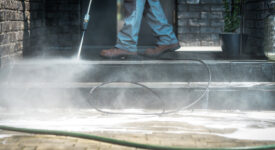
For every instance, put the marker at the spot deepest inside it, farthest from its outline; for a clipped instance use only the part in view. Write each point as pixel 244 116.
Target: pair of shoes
pixel 160 50
pixel 151 52
pixel 116 53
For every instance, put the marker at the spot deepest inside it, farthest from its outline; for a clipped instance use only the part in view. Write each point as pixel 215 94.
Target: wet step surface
pixel 235 84
pixel 142 71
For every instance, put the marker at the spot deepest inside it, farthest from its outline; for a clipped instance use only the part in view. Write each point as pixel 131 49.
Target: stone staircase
pixel 244 85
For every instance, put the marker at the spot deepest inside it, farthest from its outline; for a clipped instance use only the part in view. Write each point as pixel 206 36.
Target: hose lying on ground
pixel 127 113
pixel 121 142
pixel 164 111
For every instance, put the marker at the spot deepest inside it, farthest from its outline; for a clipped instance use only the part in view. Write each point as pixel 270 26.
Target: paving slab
pixel 195 129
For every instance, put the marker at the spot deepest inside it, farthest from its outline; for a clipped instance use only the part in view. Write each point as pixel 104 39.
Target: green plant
pixel 232 15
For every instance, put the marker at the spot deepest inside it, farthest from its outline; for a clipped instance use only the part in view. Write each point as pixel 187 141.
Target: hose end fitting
pixel 86 22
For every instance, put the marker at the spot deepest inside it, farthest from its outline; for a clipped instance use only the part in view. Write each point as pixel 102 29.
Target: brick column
pixel 200 22
pixel 11 29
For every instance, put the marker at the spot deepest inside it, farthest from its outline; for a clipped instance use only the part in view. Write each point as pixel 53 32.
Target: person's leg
pixel 163 31
pixel 128 36
pixel 158 22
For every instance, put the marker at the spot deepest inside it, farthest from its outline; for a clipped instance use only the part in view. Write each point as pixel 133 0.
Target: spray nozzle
pixel 86 21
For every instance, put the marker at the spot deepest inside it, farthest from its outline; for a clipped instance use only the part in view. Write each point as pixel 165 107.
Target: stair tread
pixel 135 62
pixel 220 85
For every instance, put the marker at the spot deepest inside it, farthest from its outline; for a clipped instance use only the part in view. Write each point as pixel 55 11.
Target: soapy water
pixel 231 124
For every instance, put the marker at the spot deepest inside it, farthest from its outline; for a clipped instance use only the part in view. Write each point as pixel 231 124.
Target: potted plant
pixel 230 38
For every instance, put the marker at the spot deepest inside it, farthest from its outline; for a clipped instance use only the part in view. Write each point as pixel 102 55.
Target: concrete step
pixel 268 86
pixel 221 95
pixel 243 85
pixel 140 71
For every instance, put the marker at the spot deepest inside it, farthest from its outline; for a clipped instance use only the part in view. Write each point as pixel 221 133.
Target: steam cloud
pixel 41 84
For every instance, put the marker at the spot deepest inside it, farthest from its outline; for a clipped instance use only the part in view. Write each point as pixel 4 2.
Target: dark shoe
pixel 116 53
pixel 159 50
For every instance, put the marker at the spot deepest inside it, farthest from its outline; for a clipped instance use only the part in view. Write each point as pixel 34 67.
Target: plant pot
pixel 230 43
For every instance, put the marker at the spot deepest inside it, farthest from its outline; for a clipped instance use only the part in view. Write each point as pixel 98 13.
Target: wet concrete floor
pixel 194 128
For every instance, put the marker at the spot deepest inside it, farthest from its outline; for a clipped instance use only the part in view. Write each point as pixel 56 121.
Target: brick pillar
pixel 200 22
pixel 11 30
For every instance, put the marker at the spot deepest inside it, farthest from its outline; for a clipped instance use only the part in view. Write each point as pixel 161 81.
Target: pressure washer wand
pixel 85 26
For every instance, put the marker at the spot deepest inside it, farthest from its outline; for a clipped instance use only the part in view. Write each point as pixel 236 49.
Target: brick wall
pixel 29 26
pixel 20 21
pixel 200 22
pixel 255 12
pixel 13 17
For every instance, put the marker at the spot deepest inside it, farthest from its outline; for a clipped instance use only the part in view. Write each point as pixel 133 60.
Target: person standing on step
pixel 127 38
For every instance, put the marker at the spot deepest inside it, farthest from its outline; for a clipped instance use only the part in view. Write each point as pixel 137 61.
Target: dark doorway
pixel 102 28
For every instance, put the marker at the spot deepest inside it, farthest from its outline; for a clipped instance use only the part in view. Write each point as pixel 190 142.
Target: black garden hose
pixel 164 112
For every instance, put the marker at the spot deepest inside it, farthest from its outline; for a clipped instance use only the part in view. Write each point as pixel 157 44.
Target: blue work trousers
pixel 152 11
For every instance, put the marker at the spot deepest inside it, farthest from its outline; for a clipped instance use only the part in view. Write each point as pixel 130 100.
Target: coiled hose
pixel 164 112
